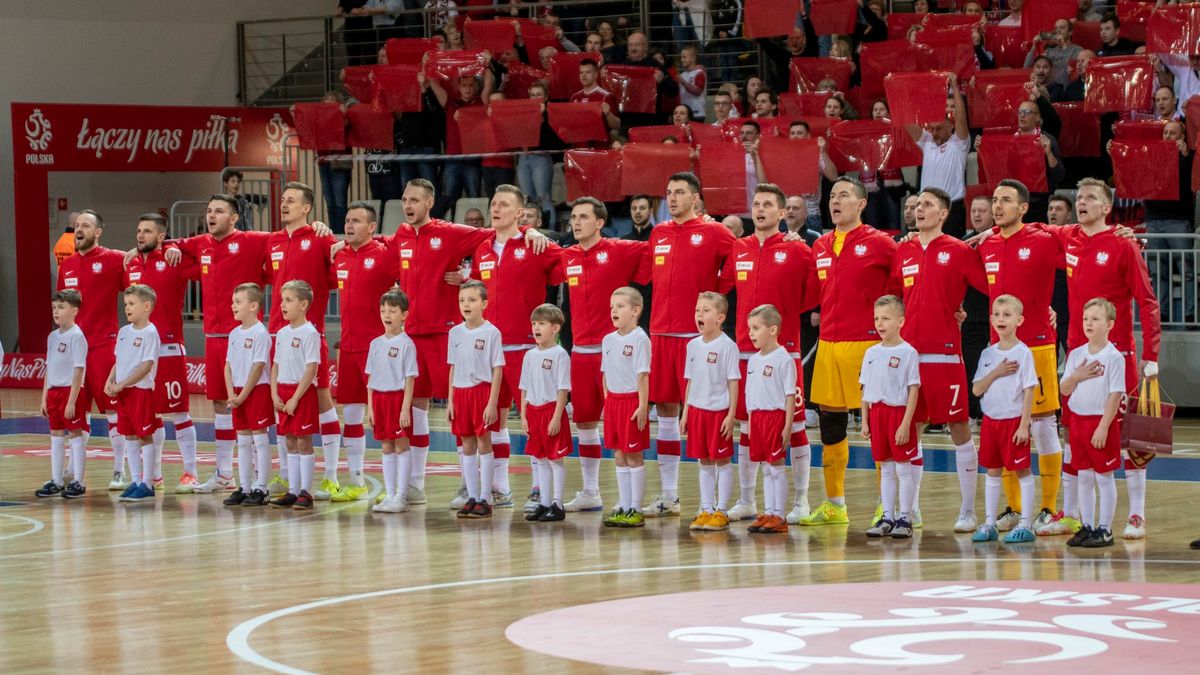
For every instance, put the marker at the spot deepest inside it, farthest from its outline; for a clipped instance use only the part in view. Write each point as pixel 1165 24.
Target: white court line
pixel 199 535
pixel 238 639
pixel 37 526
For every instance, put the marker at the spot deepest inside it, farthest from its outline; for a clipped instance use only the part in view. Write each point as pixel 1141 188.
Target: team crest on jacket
pixel 97 267
pixel 305 244
pixel 697 239
pixel 1023 253
pixel 519 254
pixel 160 265
pixel 368 263
pixel 860 249
pixel 780 257
pixel 602 257
pixel 943 258
pixel 234 246
pixel 435 243
pixel 1102 258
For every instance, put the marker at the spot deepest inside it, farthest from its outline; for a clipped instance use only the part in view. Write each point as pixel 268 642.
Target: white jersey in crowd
pixel 770 379
pixel 624 358
pixel 888 372
pixel 474 352
pixel 391 361
pixel 295 348
pixel 136 346
pixel 1005 397
pixel 710 366
pixel 248 346
pixel 544 373
pixel 64 353
pixel 1090 396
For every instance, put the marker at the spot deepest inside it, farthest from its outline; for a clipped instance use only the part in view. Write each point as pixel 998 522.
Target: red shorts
pixel 621 433
pixel 469 404
pixel 541 444
pixel 99 364
pixel 766 436
pixel 303 422
pixel 704 439
pixel 587 390
pixel 942 397
pixel 741 414
pixel 56 404
pixel 352 377
pixel 257 411
pixel 170 382
pixel 385 415
pixel 215 350
pixel 135 412
pixel 510 384
pixel 668 356
pixel 433 373
pixel 996 447
pixel 885 420
pixel 1083 454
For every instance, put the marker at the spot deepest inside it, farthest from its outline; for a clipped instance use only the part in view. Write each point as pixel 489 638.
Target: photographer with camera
pixel 1058 48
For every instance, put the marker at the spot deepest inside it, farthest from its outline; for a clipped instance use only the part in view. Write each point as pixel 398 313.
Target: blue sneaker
pixel 142 492
pixel 985 533
pixel 129 490
pixel 1019 535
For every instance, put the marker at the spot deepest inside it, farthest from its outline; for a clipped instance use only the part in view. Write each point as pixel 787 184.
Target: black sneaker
pixel 304 501
pixel 537 513
pixel 1081 536
pixel 74 490
pixel 482 509
pixel 555 514
pixel 1195 545
pixel 1100 538
pixel 49 489
pixel 236 498
pixel 255 498
pixel 284 501
pixel 467 509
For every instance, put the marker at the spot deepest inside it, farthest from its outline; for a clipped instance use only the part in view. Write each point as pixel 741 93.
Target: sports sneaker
pixel 1019 535
pixel 460 499
pixel 773 525
pixel 717 522
pixel 743 511
pixel 277 486
pixel 799 512
pixel 701 521
pixel 966 522
pixel 255 498
pixel 1134 529
pixel 660 508
pixel 140 493
pixel 129 490
pixel 119 483
pixel 467 508
pixel 633 518
pixel 482 509
pixel 326 490
pixel 73 490
pixel 1099 539
pixel 1081 535
pixel 502 500
pixel 536 514
pixel 49 489
pixel 304 501
pixel 1008 520
pixel 881 529
pixel 878 517
pixel 393 504
pixel 1195 544
pixel 415 495
pixel 827 513
pixel 1060 523
pixel 1043 518
pixel 554 515
pixel 216 483
pixel 985 533
pixel 350 493
pixel 758 522
pixel 158 483
pixel 616 518
pixel 903 529
pixel 187 484
pixel 235 498
pixel 584 502
pixel 533 501
pixel 917 521
pixel 284 501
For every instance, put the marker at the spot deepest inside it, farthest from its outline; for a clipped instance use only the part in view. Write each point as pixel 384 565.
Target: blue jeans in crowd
pixel 535 174
pixel 459 177
pixel 335 187
pixel 1171 257
pixel 411 170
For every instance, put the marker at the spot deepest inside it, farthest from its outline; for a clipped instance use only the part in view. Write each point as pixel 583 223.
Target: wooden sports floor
pixel 188 585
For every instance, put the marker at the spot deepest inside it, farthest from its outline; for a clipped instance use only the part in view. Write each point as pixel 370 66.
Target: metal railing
pixel 1171 260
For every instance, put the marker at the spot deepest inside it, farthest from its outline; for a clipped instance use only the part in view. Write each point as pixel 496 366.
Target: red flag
pixel 1118 84
pixel 702 134
pixel 803 104
pixel 943 21
pixel 808 71
pixel 1191 109
pixel 1080 136
pixel 951 53
pixel 973 191
pixel 536 37
pixel 398 88
pixel 899 23
pixel 792 165
pixel 640 94
pixel 732 129
pixel 594 173
pixel 1087 35
pixel 917 98
pixel 496 37
pixel 476 130
pixel 578 122
pixel 993 101
pixel 818 125
pixel 369 127
pixel 1174 30
pixel 658 133
pixel 1134 16
pixel 1017 156
pixel 521 77
pixel 1146 130
pixel 645 167
pixel 1007 45
pixel 408 50
pixel 1145 169
pixel 768 18
pixel 358 82
pixel 873 145
pixel 1039 16
pixel 723 174
pixel 321 126
pixel 877 59
pixel 448 65
pixel 564 73
pixel 516 123
pixel 833 17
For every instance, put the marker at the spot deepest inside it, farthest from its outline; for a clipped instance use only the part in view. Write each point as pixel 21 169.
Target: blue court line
pixel 938 460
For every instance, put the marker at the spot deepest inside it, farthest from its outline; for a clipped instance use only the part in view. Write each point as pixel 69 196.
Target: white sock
pixel 293 470
pixel 1028 499
pixel 966 465
pixel 403 472
pixel 992 486
pixel 1043 431
pixel 535 473
pixel 917 471
pixel 768 489
pixel 148 463
pixel 1070 497
pixel 590 465
pixel 281 450
pixel 747 470
pixel 637 486
pixel 558 474
pixel 487 472
pixel 500 466
pixel 185 438
pixel 356 448
pixel 888 489
pixel 781 491
pixel 245 460
pixel 906 476
pixel 118 447
pixel 1135 485
pixel 545 478
pixel 801 470
pixel 668 465
pixel 58 457
pixel 159 438
pixel 470 472
pixel 389 474
pixel 708 487
pixel 1085 483
pixel 78 457
pixel 420 454
pixel 624 488
pixel 331 443
pixel 135 466
pixel 224 447
pixel 262 460
pixel 308 466
pixel 725 485
pixel 1106 484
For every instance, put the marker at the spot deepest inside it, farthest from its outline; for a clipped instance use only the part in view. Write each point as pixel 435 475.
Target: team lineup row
pixel 845 272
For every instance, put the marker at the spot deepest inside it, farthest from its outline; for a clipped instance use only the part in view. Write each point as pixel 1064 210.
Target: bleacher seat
pixel 466 203
pixel 393 215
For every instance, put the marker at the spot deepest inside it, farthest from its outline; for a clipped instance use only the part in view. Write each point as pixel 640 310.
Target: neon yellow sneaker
pixel 878 517
pixel 827 513
pixel 277 486
pixel 327 490
pixel 350 493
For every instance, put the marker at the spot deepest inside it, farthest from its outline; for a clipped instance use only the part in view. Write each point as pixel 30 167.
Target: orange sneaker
pixel 758 522
pixel 701 521
pixel 717 522
pixel 774 525
pixel 187 484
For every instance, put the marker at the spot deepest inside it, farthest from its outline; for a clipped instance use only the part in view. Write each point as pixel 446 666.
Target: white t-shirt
pixel 623 359
pixel 770 379
pixel 295 348
pixel 391 361
pixel 1090 396
pixel 1005 397
pixel 136 346
pixel 710 366
pixel 474 352
pixel 888 372
pixel 945 166
pixel 64 353
pixel 544 373
pixel 248 346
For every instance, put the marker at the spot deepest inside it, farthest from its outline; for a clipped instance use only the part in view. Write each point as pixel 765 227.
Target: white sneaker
pixel 118 483
pixel 534 501
pixel 743 511
pixel 393 504
pixel 415 495
pixel 460 498
pixel 1007 520
pixel 215 483
pixel 584 502
pixel 660 508
pixel 799 510
pixel 811 418
pixel 966 522
pixel 1135 528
